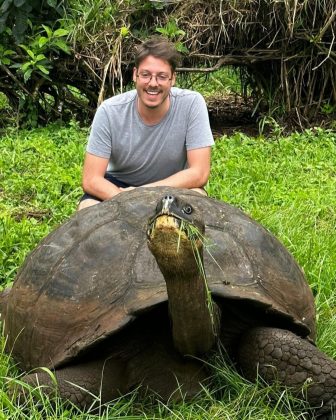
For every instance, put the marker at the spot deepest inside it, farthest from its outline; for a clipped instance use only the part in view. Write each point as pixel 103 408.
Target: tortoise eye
pixel 187 209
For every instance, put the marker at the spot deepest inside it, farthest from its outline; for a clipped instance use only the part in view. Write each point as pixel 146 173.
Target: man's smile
pixel 152 92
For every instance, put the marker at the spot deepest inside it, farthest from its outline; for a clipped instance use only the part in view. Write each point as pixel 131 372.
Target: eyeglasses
pixel 160 78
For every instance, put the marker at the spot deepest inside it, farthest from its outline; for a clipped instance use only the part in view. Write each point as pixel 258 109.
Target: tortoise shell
pixel 93 275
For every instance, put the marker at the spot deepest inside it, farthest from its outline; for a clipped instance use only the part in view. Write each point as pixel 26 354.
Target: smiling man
pixel 155 135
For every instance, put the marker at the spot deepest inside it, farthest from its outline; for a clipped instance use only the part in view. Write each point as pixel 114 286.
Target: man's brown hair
pixel 158 47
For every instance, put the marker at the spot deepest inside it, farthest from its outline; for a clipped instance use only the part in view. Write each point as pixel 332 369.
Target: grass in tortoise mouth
pixel 195 236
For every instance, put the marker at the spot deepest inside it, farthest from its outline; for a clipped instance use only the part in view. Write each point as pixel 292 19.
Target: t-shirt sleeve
pixel 100 138
pixel 198 132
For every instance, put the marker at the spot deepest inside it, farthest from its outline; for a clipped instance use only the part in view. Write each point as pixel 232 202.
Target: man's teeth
pixel 152 92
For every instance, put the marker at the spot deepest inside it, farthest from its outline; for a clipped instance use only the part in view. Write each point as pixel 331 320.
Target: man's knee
pixel 87 203
pixel 200 191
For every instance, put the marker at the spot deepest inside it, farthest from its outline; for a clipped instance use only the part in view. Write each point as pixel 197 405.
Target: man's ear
pixel 135 71
pixel 173 80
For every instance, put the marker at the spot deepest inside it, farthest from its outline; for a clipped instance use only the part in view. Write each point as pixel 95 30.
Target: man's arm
pixel 195 176
pixel 93 180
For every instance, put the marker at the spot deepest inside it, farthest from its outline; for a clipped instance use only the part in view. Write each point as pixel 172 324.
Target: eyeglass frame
pixel 150 75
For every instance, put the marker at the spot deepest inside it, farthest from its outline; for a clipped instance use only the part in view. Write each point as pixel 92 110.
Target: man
pixel 155 135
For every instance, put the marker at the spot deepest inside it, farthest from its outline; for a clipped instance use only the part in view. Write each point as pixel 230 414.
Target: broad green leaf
pixel 61 45
pixel 40 57
pixel 25 66
pixel 48 30
pixel 30 23
pixel 42 69
pixel 30 53
pixel 24 47
pixel 5 61
pixel 5 5
pixel 27 74
pixel 61 32
pixel 42 41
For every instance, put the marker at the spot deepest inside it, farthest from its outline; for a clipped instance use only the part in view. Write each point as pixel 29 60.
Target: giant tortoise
pixel 136 291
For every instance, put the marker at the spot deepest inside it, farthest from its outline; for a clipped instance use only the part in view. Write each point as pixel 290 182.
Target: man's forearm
pixel 101 188
pixel 187 178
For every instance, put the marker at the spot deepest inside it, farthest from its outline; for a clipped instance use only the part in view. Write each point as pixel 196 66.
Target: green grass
pixel 288 184
pixel 40 174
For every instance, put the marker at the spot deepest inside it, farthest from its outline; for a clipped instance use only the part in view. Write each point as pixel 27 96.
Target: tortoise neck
pixel 195 317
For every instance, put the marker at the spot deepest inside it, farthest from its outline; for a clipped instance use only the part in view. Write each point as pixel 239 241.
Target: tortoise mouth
pixel 175 217
pixel 172 231
pixel 168 223
pixel 174 239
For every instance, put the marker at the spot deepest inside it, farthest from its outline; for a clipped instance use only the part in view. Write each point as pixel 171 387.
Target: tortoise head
pixel 175 238
pixel 175 227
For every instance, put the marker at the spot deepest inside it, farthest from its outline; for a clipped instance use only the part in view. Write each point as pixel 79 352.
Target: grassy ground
pixel 288 184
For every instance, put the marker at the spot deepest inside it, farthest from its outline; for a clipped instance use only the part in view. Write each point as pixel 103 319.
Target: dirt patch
pixel 231 113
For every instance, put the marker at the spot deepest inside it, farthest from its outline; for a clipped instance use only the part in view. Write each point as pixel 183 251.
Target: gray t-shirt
pixel 139 153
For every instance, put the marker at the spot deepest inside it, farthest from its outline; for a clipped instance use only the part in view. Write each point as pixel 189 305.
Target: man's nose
pixel 153 80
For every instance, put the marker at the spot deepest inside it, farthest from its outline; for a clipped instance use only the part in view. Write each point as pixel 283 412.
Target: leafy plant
pixel 172 32
pixel 38 46
pixel 18 14
pixel 5 55
pixel 38 63
pixel 268 122
pixel 27 55
pixel 328 109
pixel 54 41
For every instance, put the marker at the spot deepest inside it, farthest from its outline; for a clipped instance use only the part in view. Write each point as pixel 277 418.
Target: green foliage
pixel 15 13
pixel 88 45
pixel 35 59
pixel 220 82
pixel 35 62
pixel 5 55
pixel 31 38
pixel 172 32
pixel 18 15
pixel 40 179
pixel 89 17
pixel 6 119
pixel 36 74
pixel 328 109
pixel 3 101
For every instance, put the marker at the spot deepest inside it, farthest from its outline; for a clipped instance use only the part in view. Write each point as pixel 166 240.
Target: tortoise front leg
pixel 84 384
pixel 279 355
